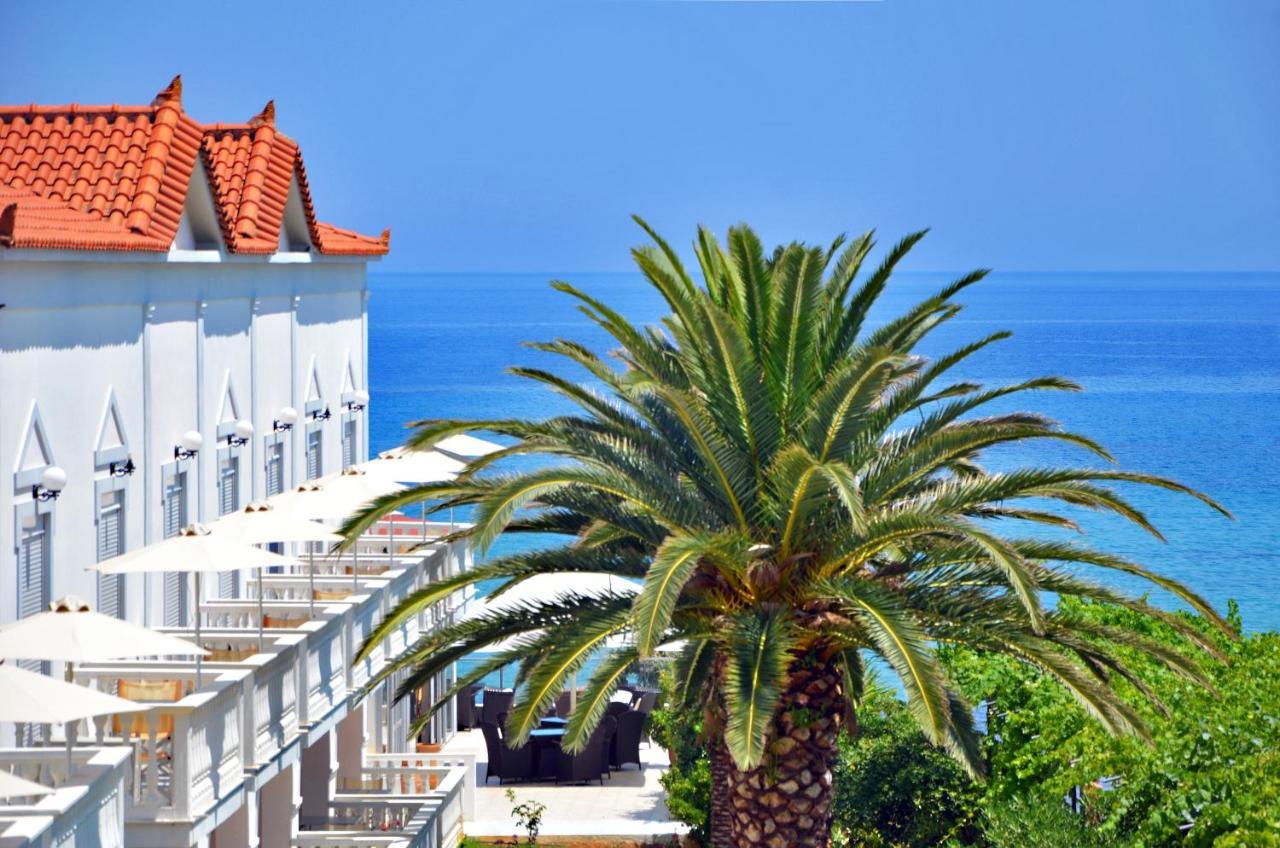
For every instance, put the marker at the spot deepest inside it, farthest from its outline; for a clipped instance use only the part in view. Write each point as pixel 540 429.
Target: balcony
pixel 198 749
pixel 400 801
pixel 87 805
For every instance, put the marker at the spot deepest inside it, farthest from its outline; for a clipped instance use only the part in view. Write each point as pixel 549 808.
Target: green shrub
pixel 894 788
pixel 688 780
pixel 1031 822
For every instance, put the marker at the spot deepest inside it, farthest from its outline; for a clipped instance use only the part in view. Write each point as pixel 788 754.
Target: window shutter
pixel 175 506
pixel 33 576
pixel 111 544
pixel 175 599
pixel 33 583
pixel 275 469
pixel 314 463
pixel 175 583
pixel 229 486
pixel 348 444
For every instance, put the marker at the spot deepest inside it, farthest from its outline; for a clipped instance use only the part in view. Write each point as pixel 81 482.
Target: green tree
pixel 1212 774
pixel 792 485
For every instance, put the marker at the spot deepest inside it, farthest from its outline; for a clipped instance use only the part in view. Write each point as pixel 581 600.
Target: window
pixel 33 573
pixel 228 501
pixel 111 544
pixel 228 484
pixel 348 443
pixel 175 518
pixel 315 461
pixel 275 468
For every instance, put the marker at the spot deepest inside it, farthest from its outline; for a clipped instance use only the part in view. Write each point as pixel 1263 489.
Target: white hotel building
pixel 179 336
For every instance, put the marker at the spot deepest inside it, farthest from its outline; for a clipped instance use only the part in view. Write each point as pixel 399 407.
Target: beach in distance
pixel 1181 375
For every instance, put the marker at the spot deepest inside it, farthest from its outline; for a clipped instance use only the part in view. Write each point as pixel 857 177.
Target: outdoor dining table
pixel 545 740
pixel 547 733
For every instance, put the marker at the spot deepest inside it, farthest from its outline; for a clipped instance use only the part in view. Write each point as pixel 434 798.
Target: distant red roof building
pixel 116 178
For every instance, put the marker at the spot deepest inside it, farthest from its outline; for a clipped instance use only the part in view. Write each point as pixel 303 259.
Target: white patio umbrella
pixel 467 447
pixel 30 698
pixel 12 786
pixel 405 465
pixel 262 523
pixel 546 588
pixel 411 466
pixel 335 497
pixel 73 633
pixel 196 550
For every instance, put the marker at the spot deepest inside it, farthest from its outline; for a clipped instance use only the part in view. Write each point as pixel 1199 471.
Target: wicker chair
pixel 506 763
pixel 467 707
pixel 626 742
pixel 585 765
pixel 497 703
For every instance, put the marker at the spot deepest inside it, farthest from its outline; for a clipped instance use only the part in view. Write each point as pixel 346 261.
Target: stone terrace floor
pixel 630 805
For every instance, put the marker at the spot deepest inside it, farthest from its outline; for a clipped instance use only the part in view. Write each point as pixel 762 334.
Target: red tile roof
pixel 116 178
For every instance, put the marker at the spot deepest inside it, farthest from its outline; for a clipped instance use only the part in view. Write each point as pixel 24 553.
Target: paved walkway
pixel 630 805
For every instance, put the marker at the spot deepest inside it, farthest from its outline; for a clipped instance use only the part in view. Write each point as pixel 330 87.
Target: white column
pixel 278 809
pixel 240 830
pixel 319 773
pixel 350 747
pixel 150 463
pixel 294 401
pixel 255 463
pixel 210 449
pixel 363 449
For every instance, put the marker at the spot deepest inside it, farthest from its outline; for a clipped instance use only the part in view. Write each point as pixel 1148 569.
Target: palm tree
pixel 795 488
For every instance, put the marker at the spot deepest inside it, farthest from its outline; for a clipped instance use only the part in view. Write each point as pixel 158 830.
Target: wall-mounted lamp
pixel 189 445
pixel 319 415
pixel 240 435
pixel 359 400
pixel 123 469
pixel 283 424
pixel 51 484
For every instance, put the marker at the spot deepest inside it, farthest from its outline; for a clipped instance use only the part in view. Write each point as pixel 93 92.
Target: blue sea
pixel 1181 375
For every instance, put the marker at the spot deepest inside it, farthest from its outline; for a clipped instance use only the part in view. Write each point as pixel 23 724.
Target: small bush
pixel 895 789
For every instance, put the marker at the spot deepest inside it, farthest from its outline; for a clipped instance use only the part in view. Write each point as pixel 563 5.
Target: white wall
pixel 163 333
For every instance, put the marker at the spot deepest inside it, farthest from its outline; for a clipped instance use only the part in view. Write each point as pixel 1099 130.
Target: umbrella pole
pixel 198 658
pixel 311 579
pixel 68 731
pixel 355 571
pixel 261 615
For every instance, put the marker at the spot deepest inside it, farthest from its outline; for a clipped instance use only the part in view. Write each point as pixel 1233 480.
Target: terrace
pixel 290 699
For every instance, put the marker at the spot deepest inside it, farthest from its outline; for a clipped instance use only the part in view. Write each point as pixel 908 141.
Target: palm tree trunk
pixel 721 823
pixel 786 800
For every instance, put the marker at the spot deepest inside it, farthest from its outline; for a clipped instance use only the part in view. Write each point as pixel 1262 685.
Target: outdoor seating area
pixel 614 745
pixel 626 804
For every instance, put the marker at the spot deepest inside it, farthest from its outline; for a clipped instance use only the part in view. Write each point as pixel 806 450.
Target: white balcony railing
pixel 402 806
pixel 87 804
pixel 193 746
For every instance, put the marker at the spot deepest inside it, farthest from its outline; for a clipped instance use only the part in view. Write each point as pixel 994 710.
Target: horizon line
pixel 994 271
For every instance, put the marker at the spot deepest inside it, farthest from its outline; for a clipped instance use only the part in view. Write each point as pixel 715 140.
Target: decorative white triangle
pixel 36 452
pixel 230 411
pixel 314 391
pixel 111 434
pixel 348 377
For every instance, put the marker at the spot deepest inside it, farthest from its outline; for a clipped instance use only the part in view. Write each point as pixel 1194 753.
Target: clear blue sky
pixel 519 136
